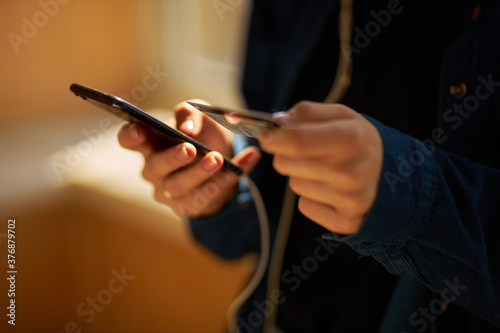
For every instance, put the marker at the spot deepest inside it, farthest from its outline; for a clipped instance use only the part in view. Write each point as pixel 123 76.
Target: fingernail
pixel 187 126
pixel 210 163
pixel 283 118
pixel 182 154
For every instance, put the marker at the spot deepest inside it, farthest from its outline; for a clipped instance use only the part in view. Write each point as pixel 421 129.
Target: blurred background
pixel 94 252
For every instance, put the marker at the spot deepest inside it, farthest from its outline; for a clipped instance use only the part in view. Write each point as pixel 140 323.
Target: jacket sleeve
pixel 436 219
pixel 234 231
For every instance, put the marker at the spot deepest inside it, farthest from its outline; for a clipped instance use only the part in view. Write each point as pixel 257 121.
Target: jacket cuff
pixel 404 194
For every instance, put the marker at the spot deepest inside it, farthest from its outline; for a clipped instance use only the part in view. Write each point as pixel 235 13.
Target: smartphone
pixel 243 122
pixel 165 135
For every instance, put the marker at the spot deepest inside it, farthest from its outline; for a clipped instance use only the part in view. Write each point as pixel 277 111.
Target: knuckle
pixel 146 173
pixel 342 224
pixel 295 185
pixel 184 209
pixel 302 107
pixel 266 135
pixel 303 207
pixel 351 225
pixel 353 205
pixel 354 136
pixel 353 180
pixel 343 227
pixel 150 171
pixel 356 182
pixel 297 141
pixel 122 137
pixel 158 195
pixel 358 140
pixel 174 186
pixel 281 164
pixel 277 164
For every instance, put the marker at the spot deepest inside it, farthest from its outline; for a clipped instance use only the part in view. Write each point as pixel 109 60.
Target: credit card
pixel 242 122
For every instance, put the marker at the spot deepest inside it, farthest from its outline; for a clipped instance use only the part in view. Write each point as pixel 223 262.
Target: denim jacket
pixel 436 103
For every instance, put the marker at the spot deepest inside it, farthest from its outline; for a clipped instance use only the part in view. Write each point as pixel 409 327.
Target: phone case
pixel 166 135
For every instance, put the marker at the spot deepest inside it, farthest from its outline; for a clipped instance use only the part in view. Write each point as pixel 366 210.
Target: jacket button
pixel 458 90
pixel 476 13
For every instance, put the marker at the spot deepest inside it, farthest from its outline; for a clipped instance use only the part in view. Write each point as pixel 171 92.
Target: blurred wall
pixel 79 229
pixel 203 48
pixel 46 45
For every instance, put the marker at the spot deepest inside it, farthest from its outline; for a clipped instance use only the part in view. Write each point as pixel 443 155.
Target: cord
pixel 339 87
pixel 265 249
pixel 342 79
pixel 280 241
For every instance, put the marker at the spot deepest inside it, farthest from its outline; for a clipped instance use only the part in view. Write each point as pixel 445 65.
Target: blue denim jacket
pixel 436 219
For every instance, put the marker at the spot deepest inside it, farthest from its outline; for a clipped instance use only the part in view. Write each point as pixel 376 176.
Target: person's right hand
pixel 191 189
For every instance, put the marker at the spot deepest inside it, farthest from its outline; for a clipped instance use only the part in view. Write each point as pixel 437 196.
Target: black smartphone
pixel 165 135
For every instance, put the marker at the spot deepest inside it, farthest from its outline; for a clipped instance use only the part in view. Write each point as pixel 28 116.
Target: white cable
pixel 265 247
pixel 278 253
pixel 343 76
pixel 339 87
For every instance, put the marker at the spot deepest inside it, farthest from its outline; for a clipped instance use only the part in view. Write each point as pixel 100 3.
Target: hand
pixel 333 157
pixel 192 189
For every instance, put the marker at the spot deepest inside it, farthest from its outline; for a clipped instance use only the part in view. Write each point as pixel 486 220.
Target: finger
pixel 159 164
pixel 189 120
pixel 247 159
pixel 328 217
pixel 350 203
pixel 135 137
pixel 308 168
pixel 210 196
pixel 317 139
pixel 342 175
pixel 306 111
pixel 182 182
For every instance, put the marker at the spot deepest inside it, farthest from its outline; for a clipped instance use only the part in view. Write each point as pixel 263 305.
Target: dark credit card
pixel 242 122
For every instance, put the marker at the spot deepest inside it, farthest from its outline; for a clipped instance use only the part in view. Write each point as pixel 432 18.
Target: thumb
pixel 247 159
pixel 316 112
pixel 189 120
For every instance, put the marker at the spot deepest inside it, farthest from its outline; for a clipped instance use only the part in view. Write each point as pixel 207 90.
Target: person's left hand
pixel 333 156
